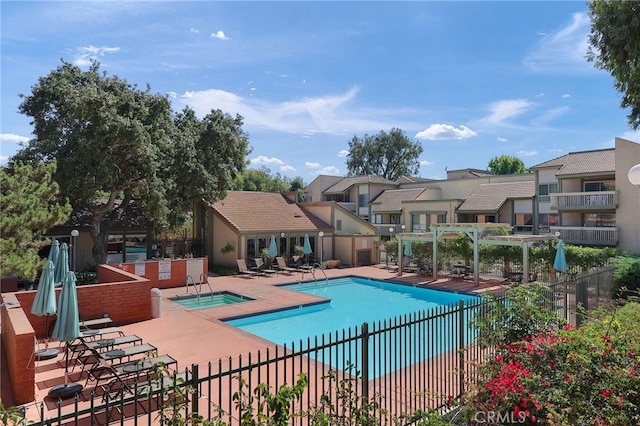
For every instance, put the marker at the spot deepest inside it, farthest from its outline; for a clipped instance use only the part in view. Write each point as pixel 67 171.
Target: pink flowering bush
pixel 587 376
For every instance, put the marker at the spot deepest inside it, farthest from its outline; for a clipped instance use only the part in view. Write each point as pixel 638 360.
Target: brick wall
pixel 178 268
pixel 18 344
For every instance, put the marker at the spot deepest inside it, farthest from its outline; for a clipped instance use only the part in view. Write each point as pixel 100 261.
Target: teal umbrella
pixel 67 329
pixel 273 248
pixel 54 252
pixel 62 264
pixel 407 249
pixel 560 262
pixel 45 304
pixel 306 247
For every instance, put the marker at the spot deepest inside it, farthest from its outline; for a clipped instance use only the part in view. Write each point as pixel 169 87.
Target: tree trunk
pixel 100 227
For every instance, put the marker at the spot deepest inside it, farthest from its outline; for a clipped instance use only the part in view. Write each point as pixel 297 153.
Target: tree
pixel 507 165
pixel 30 206
pixel 115 143
pixel 614 46
pixel 389 155
pixel 263 181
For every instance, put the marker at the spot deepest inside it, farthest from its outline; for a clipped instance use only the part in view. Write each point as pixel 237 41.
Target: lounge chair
pixel 262 268
pixel 243 270
pixel 282 265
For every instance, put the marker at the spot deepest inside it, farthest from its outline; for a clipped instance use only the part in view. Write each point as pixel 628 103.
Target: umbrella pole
pixel 46 353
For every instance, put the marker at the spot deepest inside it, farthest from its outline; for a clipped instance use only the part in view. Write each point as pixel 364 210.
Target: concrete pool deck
pixel 199 337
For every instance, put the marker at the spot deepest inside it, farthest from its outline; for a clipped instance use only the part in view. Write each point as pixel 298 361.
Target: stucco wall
pixel 628 211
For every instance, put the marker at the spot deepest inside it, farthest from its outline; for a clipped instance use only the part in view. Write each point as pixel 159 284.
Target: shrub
pixel 525 310
pixel 573 376
pixel 626 277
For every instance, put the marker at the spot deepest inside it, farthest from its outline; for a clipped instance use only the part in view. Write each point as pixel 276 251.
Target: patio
pixel 199 337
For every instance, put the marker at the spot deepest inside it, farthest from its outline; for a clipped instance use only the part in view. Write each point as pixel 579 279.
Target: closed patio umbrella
pixel 62 264
pixel 407 249
pixel 560 262
pixel 273 248
pixel 67 329
pixel 45 304
pixel 306 247
pixel 54 252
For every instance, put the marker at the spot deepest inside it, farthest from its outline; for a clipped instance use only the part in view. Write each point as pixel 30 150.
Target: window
pixel 544 190
pixel 339 225
pixel 599 219
pixel 441 218
pixel 606 185
pixel 395 219
pixel 524 222
pixel 546 221
pixel 376 218
pixel 419 223
pixel 363 200
pixel 485 218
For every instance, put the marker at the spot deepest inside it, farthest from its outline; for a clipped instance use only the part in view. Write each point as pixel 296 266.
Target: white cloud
pixel 564 49
pixel 312 165
pixel 172 95
pixel 566 96
pixel 549 116
pixel 527 153
pixel 220 35
pixel 343 153
pixel 444 132
pixel 631 135
pixel 329 114
pixel 500 111
pixel 328 170
pixel 501 139
pixel 287 168
pixel 10 137
pixel 262 160
pixel 425 162
pixel 85 54
pixel 194 31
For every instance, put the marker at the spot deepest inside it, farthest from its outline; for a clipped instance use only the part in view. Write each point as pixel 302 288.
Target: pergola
pixel 475 231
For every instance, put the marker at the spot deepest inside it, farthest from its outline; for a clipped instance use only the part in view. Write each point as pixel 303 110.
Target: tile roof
pixel 491 196
pixel 265 211
pixel 348 182
pixel 584 162
pixel 391 199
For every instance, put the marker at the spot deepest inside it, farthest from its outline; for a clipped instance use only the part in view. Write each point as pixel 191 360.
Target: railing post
pixel 365 360
pixel 194 385
pixel 461 352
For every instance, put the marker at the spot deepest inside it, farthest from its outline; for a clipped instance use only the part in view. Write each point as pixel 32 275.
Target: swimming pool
pixel 351 301
pixel 208 300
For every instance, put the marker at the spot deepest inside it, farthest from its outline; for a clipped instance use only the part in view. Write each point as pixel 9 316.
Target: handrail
pixel 189 277
pixel 206 279
pixel 319 266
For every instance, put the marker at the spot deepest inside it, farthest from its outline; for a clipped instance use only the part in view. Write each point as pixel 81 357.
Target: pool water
pixel 209 300
pixel 351 302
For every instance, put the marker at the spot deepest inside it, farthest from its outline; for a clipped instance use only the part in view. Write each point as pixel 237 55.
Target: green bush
pixel 626 277
pixel 575 376
pixel 524 311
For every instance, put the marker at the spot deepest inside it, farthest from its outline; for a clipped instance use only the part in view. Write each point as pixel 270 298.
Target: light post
pixel 321 234
pixel 403 228
pixel 74 238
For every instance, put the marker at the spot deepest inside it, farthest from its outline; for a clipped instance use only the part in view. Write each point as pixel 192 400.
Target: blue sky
pixel 469 80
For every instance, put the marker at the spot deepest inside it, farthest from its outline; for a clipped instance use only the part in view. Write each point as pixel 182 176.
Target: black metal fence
pixel 414 362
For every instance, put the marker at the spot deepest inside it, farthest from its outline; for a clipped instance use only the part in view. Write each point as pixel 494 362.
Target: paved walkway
pixel 199 336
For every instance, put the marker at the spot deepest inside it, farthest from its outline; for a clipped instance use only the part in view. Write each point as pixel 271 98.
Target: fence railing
pixel 414 362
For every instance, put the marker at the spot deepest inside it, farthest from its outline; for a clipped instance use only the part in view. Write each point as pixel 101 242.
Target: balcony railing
pixel 584 200
pixel 602 236
pixel 383 228
pixel 349 206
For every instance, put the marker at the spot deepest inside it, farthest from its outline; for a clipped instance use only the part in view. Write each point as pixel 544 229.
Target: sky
pixel 469 80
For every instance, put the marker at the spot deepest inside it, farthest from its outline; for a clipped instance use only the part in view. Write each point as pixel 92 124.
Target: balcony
pixel 349 206
pixel 592 236
pixel 604 200
pixel 383 228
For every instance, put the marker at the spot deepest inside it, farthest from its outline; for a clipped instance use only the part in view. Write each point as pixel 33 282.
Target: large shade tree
pixel 389 155
pixel 30 205
pixel 614 46
pixel 507 165
pixel 115 143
